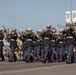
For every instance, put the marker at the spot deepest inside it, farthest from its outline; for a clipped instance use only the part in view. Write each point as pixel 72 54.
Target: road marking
pixel 34 69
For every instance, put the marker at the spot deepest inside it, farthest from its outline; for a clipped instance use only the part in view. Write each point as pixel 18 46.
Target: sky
pixel 34 14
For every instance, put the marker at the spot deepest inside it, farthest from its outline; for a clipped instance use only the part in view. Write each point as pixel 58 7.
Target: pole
pixel 71 11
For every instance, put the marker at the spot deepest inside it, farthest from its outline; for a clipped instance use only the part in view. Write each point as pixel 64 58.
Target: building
pixel 68 16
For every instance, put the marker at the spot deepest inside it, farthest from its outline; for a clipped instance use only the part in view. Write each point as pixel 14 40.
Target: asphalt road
pixel 37 68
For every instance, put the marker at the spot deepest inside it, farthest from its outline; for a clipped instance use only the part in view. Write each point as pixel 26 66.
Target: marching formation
pixel 44 46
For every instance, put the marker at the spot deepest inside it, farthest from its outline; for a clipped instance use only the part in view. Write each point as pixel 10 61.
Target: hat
pixel 13 29
pixel 54 30
pixel 60 30
pixel 39 31
pixel 29 29
pixel 48 26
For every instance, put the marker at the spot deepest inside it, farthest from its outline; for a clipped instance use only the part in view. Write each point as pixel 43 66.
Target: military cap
pixel 29 29
pixel 60 30
pixel 39 31
pixel 53 30
pixel 48 26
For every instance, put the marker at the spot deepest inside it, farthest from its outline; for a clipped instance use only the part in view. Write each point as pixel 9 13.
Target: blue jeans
pixel 46 50
pixel 12 54
pixel 27 53
pixel 52 55
pixel 57 53
pixel 38 52
pixel 42 54
pixel 70 52
pixel 62 53
pixel 35 52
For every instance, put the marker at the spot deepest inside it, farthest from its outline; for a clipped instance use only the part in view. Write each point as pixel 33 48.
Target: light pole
pixel 71 11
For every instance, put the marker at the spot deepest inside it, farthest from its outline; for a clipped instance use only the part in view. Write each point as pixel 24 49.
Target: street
pixel 37 68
